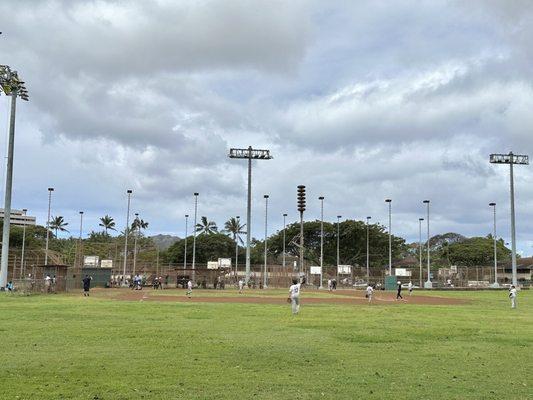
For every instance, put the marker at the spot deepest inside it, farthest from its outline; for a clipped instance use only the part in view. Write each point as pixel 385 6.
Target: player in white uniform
pixel 241 285
pixel 294 296
pixel 369 292
pixel 189 288
pixel 410 287
pixel 330 285
pixel 512 296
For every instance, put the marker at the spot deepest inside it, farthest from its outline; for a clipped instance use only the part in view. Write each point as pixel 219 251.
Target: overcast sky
pixel 359 101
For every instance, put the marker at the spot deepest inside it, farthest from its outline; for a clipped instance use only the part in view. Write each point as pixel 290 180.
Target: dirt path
pixel 348 297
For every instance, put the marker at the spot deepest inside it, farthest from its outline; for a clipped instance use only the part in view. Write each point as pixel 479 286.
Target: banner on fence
pixel 224 262
pixel 106 264
pixel 402 272
pixel 344 269
pixel 316 270
pixel 212 265
pixel 90 261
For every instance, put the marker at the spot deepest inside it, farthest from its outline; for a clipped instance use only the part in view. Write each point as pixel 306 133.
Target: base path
pixel 339 297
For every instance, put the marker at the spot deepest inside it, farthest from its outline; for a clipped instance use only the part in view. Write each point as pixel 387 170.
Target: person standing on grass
pixel 86 285
pixel 399 293
pixel 189 289
pixel 410 287
pixel 369 293
pixel 294 296
pixel 512 296
pixel 241 285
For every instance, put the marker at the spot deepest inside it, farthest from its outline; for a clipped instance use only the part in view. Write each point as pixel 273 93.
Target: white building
pixel 18 218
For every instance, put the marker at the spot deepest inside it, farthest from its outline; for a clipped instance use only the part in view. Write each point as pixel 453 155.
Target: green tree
pixel 206 227
pixel 107 223
pixel 476 251
pixel 208 248
pixel 58 224
pixel 234 228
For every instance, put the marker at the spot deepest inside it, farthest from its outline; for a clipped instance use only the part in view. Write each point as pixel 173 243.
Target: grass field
pixel 71 347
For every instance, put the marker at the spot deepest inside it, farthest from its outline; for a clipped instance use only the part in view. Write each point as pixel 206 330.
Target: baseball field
pixel 121 344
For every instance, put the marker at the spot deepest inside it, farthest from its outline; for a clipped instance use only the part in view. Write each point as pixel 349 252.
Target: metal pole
pixel 284 229
pixel 249 215
pixel 22 269
pixel 79 239
pixel 50 190
pixel 390 235
pixel 136 222
pixel 338 245
pixel 8 190
pixel 495 284
pixel 428 284
pixel 420 247
pixel 266 232
pixel 185 254
pixel 237 248
pixel 301 242
pixel 194 238
pixel 126 234
pixel 321 198
pixel 513 226
pixel 81 224
pixel 367 250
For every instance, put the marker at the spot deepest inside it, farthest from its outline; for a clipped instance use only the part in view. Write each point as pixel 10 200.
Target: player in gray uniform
pixel 294 296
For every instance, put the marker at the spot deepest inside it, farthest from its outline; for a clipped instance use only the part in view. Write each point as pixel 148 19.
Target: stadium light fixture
pixel 511 159
pixel 126 234
pixel 428 284
pixel 185 253
pixel 367 250
pixel 389 201
pixel 194 237
pixel 249 154
pixel 321 198
pixel 420 248
pixel 50 190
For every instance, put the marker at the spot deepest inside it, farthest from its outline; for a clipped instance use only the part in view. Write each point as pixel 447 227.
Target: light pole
pixel 428 284
pixel 22 269
pixel 390 235
pixel 136 234
pixel 79 239
pixel 266 231
pixel 338 245
pixel 301 208
pixel 367 250
pixel 12 86
pixel 495 284
pixel 237 247
pixel 50 190
pixel 185 253
pixel 194 238
pixel 126 234
pixel 321 198
pixel 284 229
pixel 511 159
pixel 249 154
pixel 420 247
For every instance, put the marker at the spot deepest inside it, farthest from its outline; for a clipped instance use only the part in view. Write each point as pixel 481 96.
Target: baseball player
pixel 399 293
pixel 294 296
pixel 369 292
pixel 330 285
pixel 512 296
pixel 189 289
pixel 410 287
pixel 241 285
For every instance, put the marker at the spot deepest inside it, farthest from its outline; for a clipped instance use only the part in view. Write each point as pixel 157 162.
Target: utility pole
pixel 11 85
pixel 367 250
pixel 135 229
pixel 338 245
pixel 428 284
pixel 420 247
pixel 238 218
pixel 284 229
pixel 511 159
pixel 249 154
pixel 321 198
pixel 79 239
pixel 22 269
pixel 301 209
pixel 50 190
pixel 265 282
pixel 390 235
pixel 185 253
pixel 126 234
pixel 194 238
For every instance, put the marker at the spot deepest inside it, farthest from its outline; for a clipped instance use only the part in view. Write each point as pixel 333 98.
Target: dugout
pixel 391 282
pixel 101 277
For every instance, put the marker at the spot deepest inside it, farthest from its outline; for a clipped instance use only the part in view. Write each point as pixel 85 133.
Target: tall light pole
pixel 22 269
pixel 321 198
pixel 420 247
pixel 135 235
pixel 495 284
pixel 238 218
pixel 338 245
pixel 79 239
pixel 126 234
pixel 194 237
pixel 50 190
pixel 511 159
pixel 428 284
pixel 249 154
pixel 185 253
pixel 266 232
pixel 367 250
pixel 301 209
pixel 12 86
pixel 284 229
pixel 390 235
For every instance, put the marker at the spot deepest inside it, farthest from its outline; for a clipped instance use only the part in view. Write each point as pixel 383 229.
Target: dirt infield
pixel 338 297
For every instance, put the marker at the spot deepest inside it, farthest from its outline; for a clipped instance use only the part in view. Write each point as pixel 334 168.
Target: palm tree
pixel 58 224
pixel 206 227
pixel 235 229
pixel 107 223
pixel 139 224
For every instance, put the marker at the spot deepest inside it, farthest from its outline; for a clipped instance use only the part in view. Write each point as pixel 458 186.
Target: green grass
pixel 70 347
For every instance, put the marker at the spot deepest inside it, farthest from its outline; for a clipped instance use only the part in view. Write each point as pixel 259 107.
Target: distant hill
pixel 163 242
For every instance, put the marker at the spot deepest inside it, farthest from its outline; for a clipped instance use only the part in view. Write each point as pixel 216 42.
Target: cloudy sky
pixel 359 101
